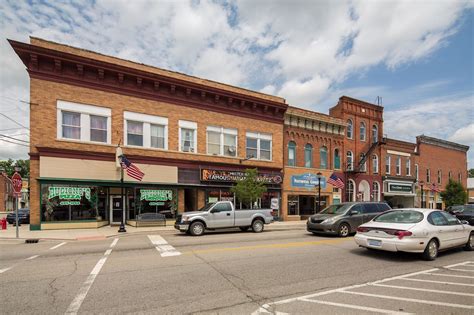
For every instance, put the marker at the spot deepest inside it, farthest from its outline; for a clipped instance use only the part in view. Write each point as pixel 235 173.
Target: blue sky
pixel 416 55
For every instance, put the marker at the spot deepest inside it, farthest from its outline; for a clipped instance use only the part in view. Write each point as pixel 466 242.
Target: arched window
pixel 291 153
pixel 375 134
pixel 308 155
pixel 375 163
pixel 363 168
pixel 349 129
pixel 337 159
pixel 439 177
pixel 362 131
pixel 408 167
pixel 350 161
pixel 376 191
pixel 323 154
pixel 350 190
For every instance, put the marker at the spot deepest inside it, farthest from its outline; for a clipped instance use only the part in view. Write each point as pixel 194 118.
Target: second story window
pixel 375 163
pixel 221 141
pixel 449 175
pixel 408 167
pixel 259 146
pixel 416 172
pixel 363 167
pixel 98 128
pixel 157 133
pixel 428 176
pixel 337 159
pixel 349 129
pixel 71 125
pixel 362 131
pixel 135 133
pixel 323 154
pixel 439 177
pixel 147 131
pixel 387 164
pixel 308 155
pixel 291 153
pixel 350 160
pixel 375 134
pixel 399 165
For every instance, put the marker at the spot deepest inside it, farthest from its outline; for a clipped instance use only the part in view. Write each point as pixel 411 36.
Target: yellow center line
pixel 267 246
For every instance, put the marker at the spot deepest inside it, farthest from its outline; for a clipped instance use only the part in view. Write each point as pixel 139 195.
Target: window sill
pixel 84 142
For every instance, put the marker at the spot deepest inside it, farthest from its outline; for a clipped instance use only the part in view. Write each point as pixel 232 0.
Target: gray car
pixel 343 219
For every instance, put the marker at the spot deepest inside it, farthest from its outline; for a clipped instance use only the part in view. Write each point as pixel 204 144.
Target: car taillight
pixel 362 229
pixel 402 234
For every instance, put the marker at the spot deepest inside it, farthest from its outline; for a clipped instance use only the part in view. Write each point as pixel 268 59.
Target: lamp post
pixel 319 191
pixel 422 202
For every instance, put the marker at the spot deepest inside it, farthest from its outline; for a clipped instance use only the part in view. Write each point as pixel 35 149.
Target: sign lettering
pixel 208 175
pixel 400 188
pixel 69 193
pixel 156 195
pixel 307 180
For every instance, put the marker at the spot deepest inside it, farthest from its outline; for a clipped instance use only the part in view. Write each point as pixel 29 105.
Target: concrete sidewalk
pixel 110 231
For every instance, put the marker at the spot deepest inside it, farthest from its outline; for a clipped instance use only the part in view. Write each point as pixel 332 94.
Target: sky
pixel 416 55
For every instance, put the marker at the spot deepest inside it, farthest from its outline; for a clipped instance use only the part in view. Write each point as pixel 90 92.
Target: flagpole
pixel 122 223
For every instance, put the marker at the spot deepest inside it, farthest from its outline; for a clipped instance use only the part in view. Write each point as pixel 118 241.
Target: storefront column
pixel 284 206
pixel 180 200
pixel 35 212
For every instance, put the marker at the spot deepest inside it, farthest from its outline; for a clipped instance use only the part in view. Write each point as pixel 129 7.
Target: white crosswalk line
pixel 449 275
pixel 57 246
pixel 421 289
pixel 464 270
pixel 162 246
pixel 32 257
pixel 357 307
pixel 442 282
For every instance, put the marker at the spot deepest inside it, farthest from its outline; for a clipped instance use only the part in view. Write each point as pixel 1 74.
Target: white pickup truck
pixel 221 215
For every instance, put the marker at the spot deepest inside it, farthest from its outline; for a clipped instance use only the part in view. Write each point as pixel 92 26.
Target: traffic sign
pixel 17 184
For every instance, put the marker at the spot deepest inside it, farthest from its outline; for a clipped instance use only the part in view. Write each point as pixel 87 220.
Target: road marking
pixel 267 246
pixel 464 270
pixel 162 246
pixel 32 257
pixel 389 297
pixel 357 307
pixel 421 289
pixel 442 282
pixel 77 302
pixel 449 275
pixel 6 269
pixel 459 264
pixel 57 246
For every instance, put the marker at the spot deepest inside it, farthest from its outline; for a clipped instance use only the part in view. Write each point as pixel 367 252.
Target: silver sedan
pixel 425 231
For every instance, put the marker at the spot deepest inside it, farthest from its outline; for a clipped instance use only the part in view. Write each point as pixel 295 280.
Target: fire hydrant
pixel 3 222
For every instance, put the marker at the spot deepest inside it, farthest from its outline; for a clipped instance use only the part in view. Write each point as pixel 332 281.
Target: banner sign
pixel 208 175
pixel 156 195
pixel 307 180
pixel 69 193
pixel 400 188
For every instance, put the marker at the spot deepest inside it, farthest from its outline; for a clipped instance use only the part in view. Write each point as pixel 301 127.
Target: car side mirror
pixel 353 212
pixel 465 222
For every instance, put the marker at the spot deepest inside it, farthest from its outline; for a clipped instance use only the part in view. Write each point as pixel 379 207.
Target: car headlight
pixel 330 220
pixel 184 219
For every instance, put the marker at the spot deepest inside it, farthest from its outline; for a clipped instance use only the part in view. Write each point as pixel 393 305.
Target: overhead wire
pixel 16 122
pixel 25 145
pixel 14 138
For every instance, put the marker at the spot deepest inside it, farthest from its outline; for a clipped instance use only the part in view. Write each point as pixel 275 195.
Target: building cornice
pixel 62 67
pixel 441 143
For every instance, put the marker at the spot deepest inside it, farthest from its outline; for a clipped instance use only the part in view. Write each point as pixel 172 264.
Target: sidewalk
pixel 110 231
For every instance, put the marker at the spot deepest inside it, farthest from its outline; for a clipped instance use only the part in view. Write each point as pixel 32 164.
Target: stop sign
pixel 16 180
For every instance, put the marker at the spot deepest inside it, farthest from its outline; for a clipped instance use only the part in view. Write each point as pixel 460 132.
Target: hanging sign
pixel 156 195
pixel 307 180
pixel 69 193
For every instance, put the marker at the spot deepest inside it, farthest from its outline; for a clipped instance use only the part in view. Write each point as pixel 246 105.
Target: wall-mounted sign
pixel 69 193
pixel 307 180
pixel 208 175
pixel 156 195
pixel 70 203
pixel 157 203
pixel 404 188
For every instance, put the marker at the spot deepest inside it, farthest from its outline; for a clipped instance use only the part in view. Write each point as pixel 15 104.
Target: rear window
pixel 399 216
pixel 383 207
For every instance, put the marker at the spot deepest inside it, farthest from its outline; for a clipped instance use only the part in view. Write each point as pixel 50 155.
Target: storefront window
pixel 293 207
pixel 163 201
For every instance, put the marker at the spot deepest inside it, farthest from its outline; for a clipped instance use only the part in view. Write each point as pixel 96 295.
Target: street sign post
pixel 17 185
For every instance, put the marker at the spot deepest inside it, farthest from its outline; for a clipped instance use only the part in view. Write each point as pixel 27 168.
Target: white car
pixel 426 231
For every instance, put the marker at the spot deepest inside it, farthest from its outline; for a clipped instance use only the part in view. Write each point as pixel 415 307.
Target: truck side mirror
pixel 214 211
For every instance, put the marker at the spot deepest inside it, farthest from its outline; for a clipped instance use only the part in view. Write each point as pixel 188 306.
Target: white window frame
pixel 375 133
pixel 408 169
pixel 364 133
pixel 351 127
pixel 185 124
pixel 416 172
pixel 388 159
pixel 222 132
pixel 375 163
pixel 376 196
pixel 147 121
pixel 353 190
pixel 85 111
pixel 260 136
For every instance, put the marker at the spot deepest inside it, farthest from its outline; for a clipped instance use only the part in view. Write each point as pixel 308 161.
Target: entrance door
pixel 116 209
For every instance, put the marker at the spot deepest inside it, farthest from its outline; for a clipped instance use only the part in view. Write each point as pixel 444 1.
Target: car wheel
pixel 470 242
pixel 257 226
pixel 431 250
pixel 197 229
pixel 244 228
pixel 344 230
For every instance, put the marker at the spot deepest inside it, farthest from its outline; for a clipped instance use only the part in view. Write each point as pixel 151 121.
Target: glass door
pixel 116 210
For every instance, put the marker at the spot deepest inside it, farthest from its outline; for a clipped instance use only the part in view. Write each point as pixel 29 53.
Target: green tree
pixel 471 172
pixel 249 189
pixel 454 194
pixel 9 166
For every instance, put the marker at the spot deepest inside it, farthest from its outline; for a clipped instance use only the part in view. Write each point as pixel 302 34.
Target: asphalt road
pixel 229 273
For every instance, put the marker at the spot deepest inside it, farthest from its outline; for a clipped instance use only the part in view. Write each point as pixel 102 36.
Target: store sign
pixel 69 193
pixel 208 175
pixel 157 203
pixel 70 203
pixel 307 180
pixel 156 195
pixel 400 188
pixel 275 204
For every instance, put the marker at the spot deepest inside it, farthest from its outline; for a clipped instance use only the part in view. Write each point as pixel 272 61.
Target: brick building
pixel 362 148
pixel 314 145
pixel 6 194
pixel 191 137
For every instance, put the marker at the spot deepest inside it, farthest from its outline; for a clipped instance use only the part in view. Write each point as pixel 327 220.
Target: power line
pixel 16 128
pixel 15 143
pixel 14 138
pixel 14 121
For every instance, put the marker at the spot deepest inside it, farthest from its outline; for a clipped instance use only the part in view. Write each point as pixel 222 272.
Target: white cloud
pixel 464 135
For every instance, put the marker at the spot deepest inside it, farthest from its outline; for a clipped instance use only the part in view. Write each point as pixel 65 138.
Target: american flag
pixel 336 181
pixel 132 170
pixel 435 188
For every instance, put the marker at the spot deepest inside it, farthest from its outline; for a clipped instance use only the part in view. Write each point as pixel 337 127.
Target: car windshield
pixel 335 209
pixel 400 216
pixel 207 206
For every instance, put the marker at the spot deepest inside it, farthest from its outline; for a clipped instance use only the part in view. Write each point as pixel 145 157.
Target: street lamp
pixel 421 186
pixel 319 191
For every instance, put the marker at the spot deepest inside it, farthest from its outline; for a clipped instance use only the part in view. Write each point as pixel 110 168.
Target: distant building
pixel 470 190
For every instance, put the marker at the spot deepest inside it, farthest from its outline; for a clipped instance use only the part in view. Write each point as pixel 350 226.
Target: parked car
pixel 425 231
pixel 23 216
pixel 464 212
pixel 221 215
pixel 343 219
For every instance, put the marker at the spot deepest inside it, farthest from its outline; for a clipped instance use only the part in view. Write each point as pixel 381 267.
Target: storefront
pixel 399 193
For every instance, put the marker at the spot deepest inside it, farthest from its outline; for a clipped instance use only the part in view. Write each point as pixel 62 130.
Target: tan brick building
pixel 191 137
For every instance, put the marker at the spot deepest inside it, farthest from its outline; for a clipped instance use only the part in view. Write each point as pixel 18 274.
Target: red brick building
pixel 6 194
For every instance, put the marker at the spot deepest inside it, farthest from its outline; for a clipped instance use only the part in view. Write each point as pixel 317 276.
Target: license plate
pixel 375 243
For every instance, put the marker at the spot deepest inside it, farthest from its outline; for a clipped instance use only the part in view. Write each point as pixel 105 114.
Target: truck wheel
pixel 470 243
pixel 257 226
pixel 244 228
pixel 431 250
pixel 196 229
